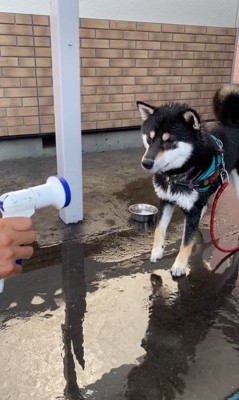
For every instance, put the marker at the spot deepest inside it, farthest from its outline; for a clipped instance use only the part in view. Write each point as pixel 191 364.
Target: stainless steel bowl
pixel 143 212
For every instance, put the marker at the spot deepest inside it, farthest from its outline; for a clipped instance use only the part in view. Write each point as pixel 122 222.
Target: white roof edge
pixel 220 13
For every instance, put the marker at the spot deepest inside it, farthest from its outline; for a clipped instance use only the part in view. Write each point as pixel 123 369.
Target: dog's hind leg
pixel 165 214
pixel 190 226
pixel 234 177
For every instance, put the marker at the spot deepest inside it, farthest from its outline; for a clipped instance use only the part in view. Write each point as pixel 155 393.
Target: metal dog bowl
pixel 143 212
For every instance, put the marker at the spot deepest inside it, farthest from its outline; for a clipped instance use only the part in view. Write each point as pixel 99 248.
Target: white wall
pixel 191 12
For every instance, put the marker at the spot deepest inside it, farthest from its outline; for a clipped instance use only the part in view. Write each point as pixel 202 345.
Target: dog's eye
pixel 149 140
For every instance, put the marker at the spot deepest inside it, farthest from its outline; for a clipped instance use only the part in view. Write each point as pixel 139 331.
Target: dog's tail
pixel 226 104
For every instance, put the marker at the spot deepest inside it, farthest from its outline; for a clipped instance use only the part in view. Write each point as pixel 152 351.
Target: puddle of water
pixel 124 327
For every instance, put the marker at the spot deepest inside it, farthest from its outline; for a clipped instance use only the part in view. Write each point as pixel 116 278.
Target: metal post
pixel 65 47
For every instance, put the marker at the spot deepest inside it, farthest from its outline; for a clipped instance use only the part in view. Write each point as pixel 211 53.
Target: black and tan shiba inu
pixel 189 160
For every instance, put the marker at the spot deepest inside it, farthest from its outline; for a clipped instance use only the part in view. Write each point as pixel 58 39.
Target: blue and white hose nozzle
pixel 23 203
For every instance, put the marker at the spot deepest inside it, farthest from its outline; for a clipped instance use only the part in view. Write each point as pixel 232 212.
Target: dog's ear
pixel 145 110
pixel 192 118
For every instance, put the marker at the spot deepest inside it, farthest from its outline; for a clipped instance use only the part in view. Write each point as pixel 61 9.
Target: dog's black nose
pixel 147 163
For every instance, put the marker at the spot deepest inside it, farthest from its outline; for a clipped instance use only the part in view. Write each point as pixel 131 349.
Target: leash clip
pixel 224 174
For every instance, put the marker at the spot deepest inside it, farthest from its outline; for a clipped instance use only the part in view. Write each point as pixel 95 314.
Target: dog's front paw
pixel 178 270
pixel 156 254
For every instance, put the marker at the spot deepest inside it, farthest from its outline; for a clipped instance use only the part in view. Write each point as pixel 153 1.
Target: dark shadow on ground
pixel 177 327
pixel 19 294
pixel 177 324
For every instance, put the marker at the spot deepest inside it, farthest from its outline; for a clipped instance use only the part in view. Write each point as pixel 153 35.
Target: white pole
pixel 65 47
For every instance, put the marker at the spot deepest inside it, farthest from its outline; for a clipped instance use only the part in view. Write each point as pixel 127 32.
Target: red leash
pixel 214 206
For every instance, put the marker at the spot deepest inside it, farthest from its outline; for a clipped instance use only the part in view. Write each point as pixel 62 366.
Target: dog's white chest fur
pixel 183 200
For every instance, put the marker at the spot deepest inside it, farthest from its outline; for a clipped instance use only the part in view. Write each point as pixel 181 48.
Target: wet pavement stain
pixel 138 191
pixel 74 290
pixel 126 330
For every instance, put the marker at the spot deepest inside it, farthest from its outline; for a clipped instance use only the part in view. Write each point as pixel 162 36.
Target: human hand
pixel 16 234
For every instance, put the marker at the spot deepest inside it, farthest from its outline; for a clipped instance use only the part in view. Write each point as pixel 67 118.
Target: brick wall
pixel 26 102
pixel 121 62
pixel 235 76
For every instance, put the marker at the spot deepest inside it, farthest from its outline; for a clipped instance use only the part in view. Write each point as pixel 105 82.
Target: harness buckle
pixel 219 143
pixel 191 185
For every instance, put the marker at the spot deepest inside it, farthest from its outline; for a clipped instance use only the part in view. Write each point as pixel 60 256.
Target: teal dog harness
pixel 203 181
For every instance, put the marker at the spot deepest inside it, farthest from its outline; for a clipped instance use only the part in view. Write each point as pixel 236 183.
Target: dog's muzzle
pixel 147 163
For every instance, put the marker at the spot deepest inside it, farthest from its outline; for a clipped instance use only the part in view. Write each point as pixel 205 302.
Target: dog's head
pixel 170 133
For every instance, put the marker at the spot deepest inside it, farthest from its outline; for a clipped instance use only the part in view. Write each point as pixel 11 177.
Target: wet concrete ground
pixel 92 318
